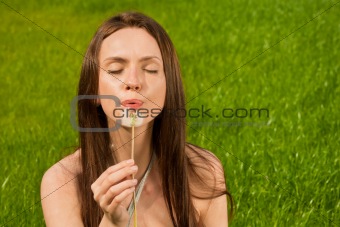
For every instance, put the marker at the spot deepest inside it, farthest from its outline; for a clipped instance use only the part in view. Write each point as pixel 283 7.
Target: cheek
pixel 108 106
pixel 108 85
pixel 162 93
pixel 158 93
pixel 105 85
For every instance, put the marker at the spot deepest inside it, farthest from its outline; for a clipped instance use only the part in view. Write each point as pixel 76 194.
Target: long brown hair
pixel 168 132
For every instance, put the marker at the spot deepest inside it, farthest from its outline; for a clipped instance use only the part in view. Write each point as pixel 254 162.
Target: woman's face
pixel 131 68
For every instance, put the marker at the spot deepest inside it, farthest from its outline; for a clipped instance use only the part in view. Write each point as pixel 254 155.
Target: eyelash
pixel 151 71
pixel 117 72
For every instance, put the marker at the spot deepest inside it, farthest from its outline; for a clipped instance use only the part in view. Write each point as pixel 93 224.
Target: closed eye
pixel 115 72
pixel 151 71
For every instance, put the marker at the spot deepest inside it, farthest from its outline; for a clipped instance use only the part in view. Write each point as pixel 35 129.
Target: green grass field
pixel 282 170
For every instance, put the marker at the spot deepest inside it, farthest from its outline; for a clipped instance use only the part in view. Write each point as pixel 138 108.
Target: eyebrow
pixel 123 60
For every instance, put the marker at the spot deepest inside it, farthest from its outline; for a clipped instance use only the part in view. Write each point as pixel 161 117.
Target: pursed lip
pixel 132 103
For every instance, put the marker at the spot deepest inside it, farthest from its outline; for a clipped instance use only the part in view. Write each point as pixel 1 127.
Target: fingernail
pixel 134 181
pixel 129 161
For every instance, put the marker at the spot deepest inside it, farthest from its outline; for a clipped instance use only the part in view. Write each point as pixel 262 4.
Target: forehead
pixel 129 43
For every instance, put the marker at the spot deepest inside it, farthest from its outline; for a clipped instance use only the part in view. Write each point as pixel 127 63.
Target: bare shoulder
pixel 208 186
pixel 58 192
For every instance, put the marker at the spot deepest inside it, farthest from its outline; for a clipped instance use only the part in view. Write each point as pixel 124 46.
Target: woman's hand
pixel 112 189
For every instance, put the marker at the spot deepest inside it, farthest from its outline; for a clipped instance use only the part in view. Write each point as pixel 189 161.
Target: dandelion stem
pixel 133 120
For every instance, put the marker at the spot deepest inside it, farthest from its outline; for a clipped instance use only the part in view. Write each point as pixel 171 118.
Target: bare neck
pixel 122 140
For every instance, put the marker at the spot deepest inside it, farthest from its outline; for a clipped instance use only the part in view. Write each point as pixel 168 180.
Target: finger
pixel 118 176
pixel 113 169
pixel 110 170
pixel 120 198
pixel 113 179
pixel 116 190
pixel 119 188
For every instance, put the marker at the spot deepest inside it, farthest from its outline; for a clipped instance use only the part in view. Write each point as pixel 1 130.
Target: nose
pixel 133 83
pixel 133 86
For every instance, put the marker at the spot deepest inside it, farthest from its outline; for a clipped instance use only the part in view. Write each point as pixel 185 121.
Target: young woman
pixel 132 58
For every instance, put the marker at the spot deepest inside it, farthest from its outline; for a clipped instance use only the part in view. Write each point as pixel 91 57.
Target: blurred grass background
pixel 282 170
